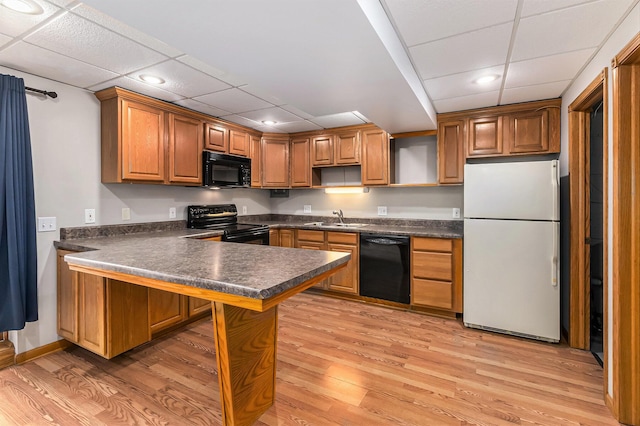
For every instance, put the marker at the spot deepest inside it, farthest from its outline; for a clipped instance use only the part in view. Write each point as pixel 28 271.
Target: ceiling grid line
pixel 514 31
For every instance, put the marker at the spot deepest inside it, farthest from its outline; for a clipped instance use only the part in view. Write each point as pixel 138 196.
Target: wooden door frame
pixel 624 398
pixel 579 167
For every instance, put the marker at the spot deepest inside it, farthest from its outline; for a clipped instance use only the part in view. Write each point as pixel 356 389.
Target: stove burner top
pixel 221 216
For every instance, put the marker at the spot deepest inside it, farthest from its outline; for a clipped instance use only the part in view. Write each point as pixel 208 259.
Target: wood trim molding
pixel 414 134
pixel 630 54
pixel 32 354
pixel 7 352
pixel 502 109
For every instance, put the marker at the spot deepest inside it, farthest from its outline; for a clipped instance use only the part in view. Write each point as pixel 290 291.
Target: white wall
pixel 628 29
pixel 410 202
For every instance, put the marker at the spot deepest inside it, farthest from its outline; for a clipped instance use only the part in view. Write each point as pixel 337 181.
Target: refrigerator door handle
pixel 554 260
pixel 555 182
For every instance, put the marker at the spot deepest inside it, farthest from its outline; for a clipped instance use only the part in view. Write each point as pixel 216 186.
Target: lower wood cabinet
pixel 436 273
pixel 166 309
pixel 198 306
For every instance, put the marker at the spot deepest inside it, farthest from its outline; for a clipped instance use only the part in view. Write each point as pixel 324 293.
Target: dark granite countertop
pixel 248 270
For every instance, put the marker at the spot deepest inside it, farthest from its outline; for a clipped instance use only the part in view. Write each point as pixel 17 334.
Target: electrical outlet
pixel 382 210
pixel 89 215
pixel 126 213
pixel 46 224
pixel 456 213
pixel 244 209
pixel 307 208
pixel 172 213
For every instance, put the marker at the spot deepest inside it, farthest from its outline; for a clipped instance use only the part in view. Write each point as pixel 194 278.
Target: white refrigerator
pixel 511 248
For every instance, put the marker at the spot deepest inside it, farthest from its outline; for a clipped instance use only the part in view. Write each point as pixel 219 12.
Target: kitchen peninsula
pixel 245 284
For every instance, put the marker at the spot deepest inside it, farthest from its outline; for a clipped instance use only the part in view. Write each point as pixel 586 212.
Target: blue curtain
pixel 18 272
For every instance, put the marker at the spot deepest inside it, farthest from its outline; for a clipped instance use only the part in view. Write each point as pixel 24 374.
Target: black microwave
pixel 222 170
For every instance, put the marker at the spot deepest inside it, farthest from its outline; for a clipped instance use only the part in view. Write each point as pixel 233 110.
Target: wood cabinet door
pixel 274 237
pixel 127 316
pixel 528 132
pixel 216 137
pixel 143 130
pixel 322 150
pixel 91 313
pixel 314 245
pixel 256 162
pixel 485 136
pixel 165 309
pixel 347 148
pixel 275 163
pixel 185 150
pixel 300 163
pixel 375 157
pixel 238 142
pixel 451 152
pixel 67 292
pixel 287 238
pixel 345 281
pixel 198 306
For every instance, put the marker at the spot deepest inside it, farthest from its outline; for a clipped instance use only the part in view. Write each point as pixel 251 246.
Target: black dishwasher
pixel 384 267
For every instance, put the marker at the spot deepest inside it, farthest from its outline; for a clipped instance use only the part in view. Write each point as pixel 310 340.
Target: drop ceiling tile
pixel 421 21
pixel 337 120
pixel 463 84
pixel 211 70
pixel 13 23
pixel 268 129
pixel 471 51
pixel 566 30
pixel 138 87
pixel 298 126
pixel 241 120
pixel 296 111
pixel 274 114
pixel 203 108
pixel 38 61
pixel 4 39
pixel 534 7
pixel 547 70
pixel 62 3
pixel 182 79
pixel 233 100
pixel 84 40
pixel 125 30
pixel 467 102
pixel 534 93
pixel 262 94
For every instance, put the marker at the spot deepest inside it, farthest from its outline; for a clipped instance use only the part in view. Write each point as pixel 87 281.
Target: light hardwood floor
pixel 339 363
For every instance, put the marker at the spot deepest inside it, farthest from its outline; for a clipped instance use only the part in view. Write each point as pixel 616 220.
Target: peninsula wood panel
pixel 300 162
pixel 67 300
pixel 347 148
pixel 275 162
pixel 375 157
pixel 451 151
pixel 216 137
pixel 238 142
pixel 322 150
pixel 127 321
pixel 485 136
pixel 185 150
pixel 143 130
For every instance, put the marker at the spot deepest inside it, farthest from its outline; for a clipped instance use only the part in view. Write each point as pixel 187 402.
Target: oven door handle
pixel 246 234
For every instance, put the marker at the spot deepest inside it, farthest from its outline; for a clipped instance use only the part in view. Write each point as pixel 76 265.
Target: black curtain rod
pixel 52 95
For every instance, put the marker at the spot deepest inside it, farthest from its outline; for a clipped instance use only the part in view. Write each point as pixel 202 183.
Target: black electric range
pixel 224 217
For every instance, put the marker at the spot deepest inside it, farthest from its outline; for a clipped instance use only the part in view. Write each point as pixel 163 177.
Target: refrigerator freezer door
pixel 511 277
pixel 525 190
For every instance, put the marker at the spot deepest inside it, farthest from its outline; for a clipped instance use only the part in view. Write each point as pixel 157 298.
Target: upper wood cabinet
pixel 185 150
pixel 256 161
pixel 300 163
pixel 239 142
pixel 216 137
pixel 275 161
pixel 485 136
pixel 528 132
pixel 322 150
pixel 375 157
pixel 347 147
pixel 451 151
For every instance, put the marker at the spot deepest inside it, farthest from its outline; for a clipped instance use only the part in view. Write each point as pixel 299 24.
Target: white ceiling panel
pixel 268 129
pixel 203 108
pixel 337 120
pixel 463 84
pixel 211 70
pixel 273 114
pixel 297 111
pixel 38 61
pixel 79 38
pixel 535 7
pixel 262 94
pixel 62 3
pixel 538 91
pixel 139 87
pixel 125 30
pixel 4 39
pixel 470 51
pixel 546 70
pixel 233 100
pixel 182 79
pixel 241 120
pixel 467 102
pixel 421 21
pixel 13 23
pixel 566 30
pixel 298 126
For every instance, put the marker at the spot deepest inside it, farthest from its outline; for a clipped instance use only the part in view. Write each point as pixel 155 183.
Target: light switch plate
pixel 89 215
pixel 126 213
pixel 307 208
pixel 46 224
pixel 244 209
pixel 382 210
pixel 172 213
pixel 456 213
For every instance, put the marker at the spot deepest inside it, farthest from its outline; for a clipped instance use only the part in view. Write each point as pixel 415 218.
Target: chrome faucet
pixel 340 215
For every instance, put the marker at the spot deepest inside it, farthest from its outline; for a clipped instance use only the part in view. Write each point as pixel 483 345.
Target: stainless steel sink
pixel 336 224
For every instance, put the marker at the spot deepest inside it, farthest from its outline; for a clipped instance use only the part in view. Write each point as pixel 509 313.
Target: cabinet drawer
pixel 432 244
pixel 432 293
pixel 432 265
pixel 342 237
pixel 304 235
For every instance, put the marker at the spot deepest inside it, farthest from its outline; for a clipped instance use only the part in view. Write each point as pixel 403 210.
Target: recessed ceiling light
pixel 269 122
pixel 486 79
pixel 23 6
pixel 152 79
